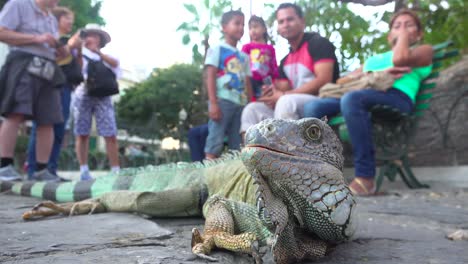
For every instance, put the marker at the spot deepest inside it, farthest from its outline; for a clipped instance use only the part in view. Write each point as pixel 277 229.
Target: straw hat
pixel 95 28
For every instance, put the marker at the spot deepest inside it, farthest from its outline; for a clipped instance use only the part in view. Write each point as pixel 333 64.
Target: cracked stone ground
pixel 408 226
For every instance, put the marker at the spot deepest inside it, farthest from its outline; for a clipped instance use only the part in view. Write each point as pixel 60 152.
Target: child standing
pixel 262 56
pixel 228 83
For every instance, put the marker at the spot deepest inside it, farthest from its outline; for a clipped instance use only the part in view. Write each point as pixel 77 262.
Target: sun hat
pixel 95 28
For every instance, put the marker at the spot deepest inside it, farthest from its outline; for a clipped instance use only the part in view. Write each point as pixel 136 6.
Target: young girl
pixel 262 56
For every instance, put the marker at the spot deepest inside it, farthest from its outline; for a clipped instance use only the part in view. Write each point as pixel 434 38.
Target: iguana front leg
pixel 49 208
pixel 219 233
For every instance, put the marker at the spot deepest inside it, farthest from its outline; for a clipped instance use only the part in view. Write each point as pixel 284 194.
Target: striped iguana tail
pixel 159 178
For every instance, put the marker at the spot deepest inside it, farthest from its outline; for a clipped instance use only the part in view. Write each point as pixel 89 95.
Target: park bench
pixel 394 131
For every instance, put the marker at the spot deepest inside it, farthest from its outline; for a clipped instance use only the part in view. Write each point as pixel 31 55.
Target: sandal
pixel 359 188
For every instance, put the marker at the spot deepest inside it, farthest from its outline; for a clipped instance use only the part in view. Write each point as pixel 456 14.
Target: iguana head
pixel 297 165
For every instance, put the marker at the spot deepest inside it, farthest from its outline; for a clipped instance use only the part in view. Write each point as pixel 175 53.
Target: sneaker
pixel 46 175
pixel 9 173
pixel 85 176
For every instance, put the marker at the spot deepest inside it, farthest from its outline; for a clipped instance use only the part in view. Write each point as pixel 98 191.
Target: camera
pixel 82 34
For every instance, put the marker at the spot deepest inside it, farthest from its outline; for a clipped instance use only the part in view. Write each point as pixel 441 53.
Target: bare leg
pixel 82 148
pixel 112 149
pixel 8 135
pixel 44 142
pixel 209 156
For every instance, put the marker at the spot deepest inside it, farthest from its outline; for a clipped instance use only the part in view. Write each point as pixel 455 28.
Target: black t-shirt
pixel 298 66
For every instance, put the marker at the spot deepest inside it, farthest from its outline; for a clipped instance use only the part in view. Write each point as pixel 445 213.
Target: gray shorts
pixel 38 100
pixel 84 107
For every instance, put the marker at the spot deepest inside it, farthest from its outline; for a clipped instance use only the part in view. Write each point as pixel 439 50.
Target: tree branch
pixel 368 2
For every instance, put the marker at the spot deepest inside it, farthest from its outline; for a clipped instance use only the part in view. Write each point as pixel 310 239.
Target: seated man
pixel 410 64
pixel 310 64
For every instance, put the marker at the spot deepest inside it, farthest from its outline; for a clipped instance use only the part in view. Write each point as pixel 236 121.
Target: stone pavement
pixel 402 226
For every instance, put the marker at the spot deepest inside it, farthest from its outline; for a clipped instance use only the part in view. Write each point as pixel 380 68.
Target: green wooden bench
pixel 393 131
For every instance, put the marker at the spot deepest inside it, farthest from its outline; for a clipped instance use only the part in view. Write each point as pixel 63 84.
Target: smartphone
pixel 267 80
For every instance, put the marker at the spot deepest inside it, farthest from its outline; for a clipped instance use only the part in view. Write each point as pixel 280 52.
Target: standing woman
pixel 65 18
pixel 92 39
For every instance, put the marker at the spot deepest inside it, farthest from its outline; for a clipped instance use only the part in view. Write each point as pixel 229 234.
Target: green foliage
pixel 86 11
pixel 442 23
pixel 350 33
pixel 198 28
pixel 151 108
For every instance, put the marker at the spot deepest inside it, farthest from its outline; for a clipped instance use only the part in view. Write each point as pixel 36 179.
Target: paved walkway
pixel 403 226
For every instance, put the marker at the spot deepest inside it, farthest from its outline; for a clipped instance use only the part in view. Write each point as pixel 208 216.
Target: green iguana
pixel 286 189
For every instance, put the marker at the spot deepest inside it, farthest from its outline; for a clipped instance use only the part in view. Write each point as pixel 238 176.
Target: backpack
pixel 101 80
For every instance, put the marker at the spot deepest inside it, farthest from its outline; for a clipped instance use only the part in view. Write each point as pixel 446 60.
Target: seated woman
pixel 410 63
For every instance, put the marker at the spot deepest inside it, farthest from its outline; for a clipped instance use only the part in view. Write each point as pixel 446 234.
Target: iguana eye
pixel 313 132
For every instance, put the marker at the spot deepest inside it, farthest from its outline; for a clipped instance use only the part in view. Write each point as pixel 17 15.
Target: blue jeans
pixel 229 126
pixel 319 108
pixel 59 132
pixel 355 107
pixel 197 141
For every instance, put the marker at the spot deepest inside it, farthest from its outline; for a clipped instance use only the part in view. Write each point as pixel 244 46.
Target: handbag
pixel 73 72
pixel 380 80
pixel 42 68
pixel 101 80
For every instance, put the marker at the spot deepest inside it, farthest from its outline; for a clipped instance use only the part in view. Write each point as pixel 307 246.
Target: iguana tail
pixel 150 179
pixel 172 176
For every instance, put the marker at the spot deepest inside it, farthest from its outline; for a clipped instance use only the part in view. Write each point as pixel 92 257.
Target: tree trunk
pixel 399 4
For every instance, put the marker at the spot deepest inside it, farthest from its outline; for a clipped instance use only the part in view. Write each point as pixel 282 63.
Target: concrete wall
pixel 442 135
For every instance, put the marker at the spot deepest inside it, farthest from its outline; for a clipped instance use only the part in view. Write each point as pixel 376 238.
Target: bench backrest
pixel 425 91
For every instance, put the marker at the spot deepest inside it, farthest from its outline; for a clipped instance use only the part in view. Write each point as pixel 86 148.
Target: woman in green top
pixel 409 64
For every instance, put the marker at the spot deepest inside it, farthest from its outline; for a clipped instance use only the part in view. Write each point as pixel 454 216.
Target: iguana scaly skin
pixel 299 202
pixel 298 168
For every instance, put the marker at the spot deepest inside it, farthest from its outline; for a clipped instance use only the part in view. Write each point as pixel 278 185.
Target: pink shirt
pixel 262 60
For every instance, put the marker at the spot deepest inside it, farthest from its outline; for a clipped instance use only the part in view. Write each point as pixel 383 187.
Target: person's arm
pixel 248 88
pixel 214 110
pixel 248 76
pixel 282 85
pixel 356 74
pixel 323 75
pixel 18 39
pixel 405 56
pixel 75 42
pixel 108 59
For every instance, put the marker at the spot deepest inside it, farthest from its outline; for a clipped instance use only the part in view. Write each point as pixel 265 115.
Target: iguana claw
pixel 206 257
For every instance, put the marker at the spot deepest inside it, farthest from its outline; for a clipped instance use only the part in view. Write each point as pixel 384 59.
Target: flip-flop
pixel 364 190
